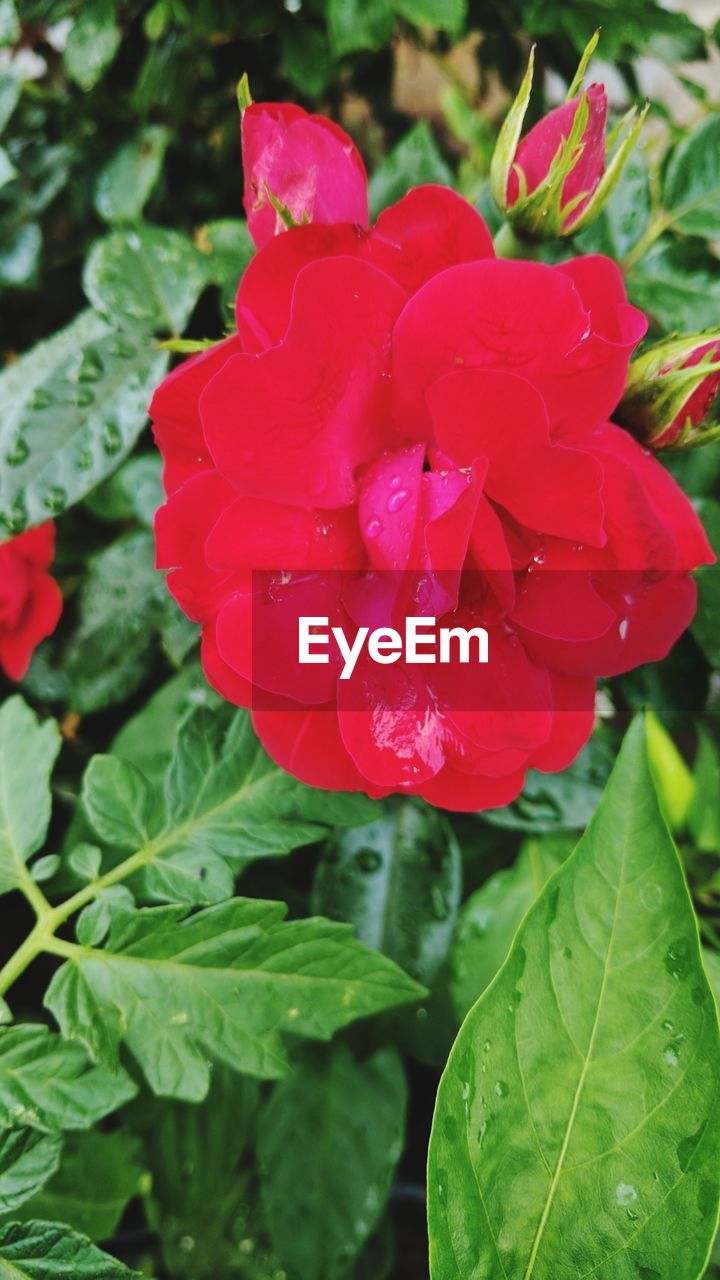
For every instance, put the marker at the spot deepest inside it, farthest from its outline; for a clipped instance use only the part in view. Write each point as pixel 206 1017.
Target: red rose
pixel 398 408
pixel 307 163
pixel 539 147
pixel 30 600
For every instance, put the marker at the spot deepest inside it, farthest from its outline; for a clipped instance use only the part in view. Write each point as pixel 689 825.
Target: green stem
pixel 49 919
pixel 653 233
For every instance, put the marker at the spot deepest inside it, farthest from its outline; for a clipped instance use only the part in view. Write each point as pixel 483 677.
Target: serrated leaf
pixel 46 1251
pixel 223 982
pixel 558 801
pixel 492 914
pixel 92 43
pixel 48 1084
pixel 587 1074
pixel 225 800
pixel 148 738
pixel 691 189
pixel 28 749
pixel 126 182
pixel 69 411
pixel 625 217
pixel 329 1141
pixel 306 58
pixel 146 278
pixel 398 881
pixel 415 160
pixel 119 802
pixel 28 1159
pixel 98 1176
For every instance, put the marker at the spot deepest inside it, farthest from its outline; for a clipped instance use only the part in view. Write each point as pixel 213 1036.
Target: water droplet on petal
pixel 373 527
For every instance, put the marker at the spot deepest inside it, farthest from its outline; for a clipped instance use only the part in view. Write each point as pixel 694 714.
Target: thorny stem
pixel 49 919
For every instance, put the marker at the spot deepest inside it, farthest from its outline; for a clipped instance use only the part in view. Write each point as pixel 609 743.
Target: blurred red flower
pixel 30 599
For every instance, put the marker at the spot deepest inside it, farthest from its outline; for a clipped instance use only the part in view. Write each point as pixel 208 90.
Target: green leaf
pixel 28 1159
pixel 20 254
pixel 98 1176
pixel 306 59
pixel 48 1084
pixel 126 182
pixel 691 190
pixel 10 88
pixel 69 411
pixel 148 738
pixel 119 802
pixel 676 284
pixel 7 169
pixel 577 1127
pixel 704 815
pixel 134 493
pixel 9 25
pixel 46 1251
pixel 223 982
pixel 28 749
pixel 558 801
pixel 704 625
pixel 120 607
pixel 446 15
pixel 414 161
pixel 398 881
pixel 359 24
pixel 625 217
pixel 492 914
pixel 329 1141
pixel 225 799
pixel 92 43
pixel 145 277
pixel 194 1154
pixel 229 249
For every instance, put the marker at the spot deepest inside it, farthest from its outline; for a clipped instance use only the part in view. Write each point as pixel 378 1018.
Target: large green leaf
pixel 446 15
pixel 224 982
pixel 224 803
pixel 329 1142
pixel 48 1251
pixel 491 916
pixel 92 43
pixel 27 1159
pixel 69 410
pixel 626 215
pixel 28 750
pixel 562 801
pixel 691 190
pixel 146 278
pixel 577 1128
pixel 398 881
pixel 125 183
pixel 48 1084
pixel 98 1176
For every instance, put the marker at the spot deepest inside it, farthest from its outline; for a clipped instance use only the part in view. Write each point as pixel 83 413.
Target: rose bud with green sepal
pixel 554 181
pixel 670 392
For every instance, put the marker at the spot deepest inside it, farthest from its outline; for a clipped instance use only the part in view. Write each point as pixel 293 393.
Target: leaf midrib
pixel 587 1058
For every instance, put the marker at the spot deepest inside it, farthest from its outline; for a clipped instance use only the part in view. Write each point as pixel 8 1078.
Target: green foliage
pixel 590 1065
pixel 329 1141
pixel 144 1005
pixel 224 981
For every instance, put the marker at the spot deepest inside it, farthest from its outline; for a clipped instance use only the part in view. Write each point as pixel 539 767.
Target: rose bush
pixel 30 599
pixel 400 400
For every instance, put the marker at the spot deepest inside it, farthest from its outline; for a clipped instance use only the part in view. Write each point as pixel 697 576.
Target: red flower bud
pixel 306 163
pixel 30 600
pixel 538 149
pixel 670 389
